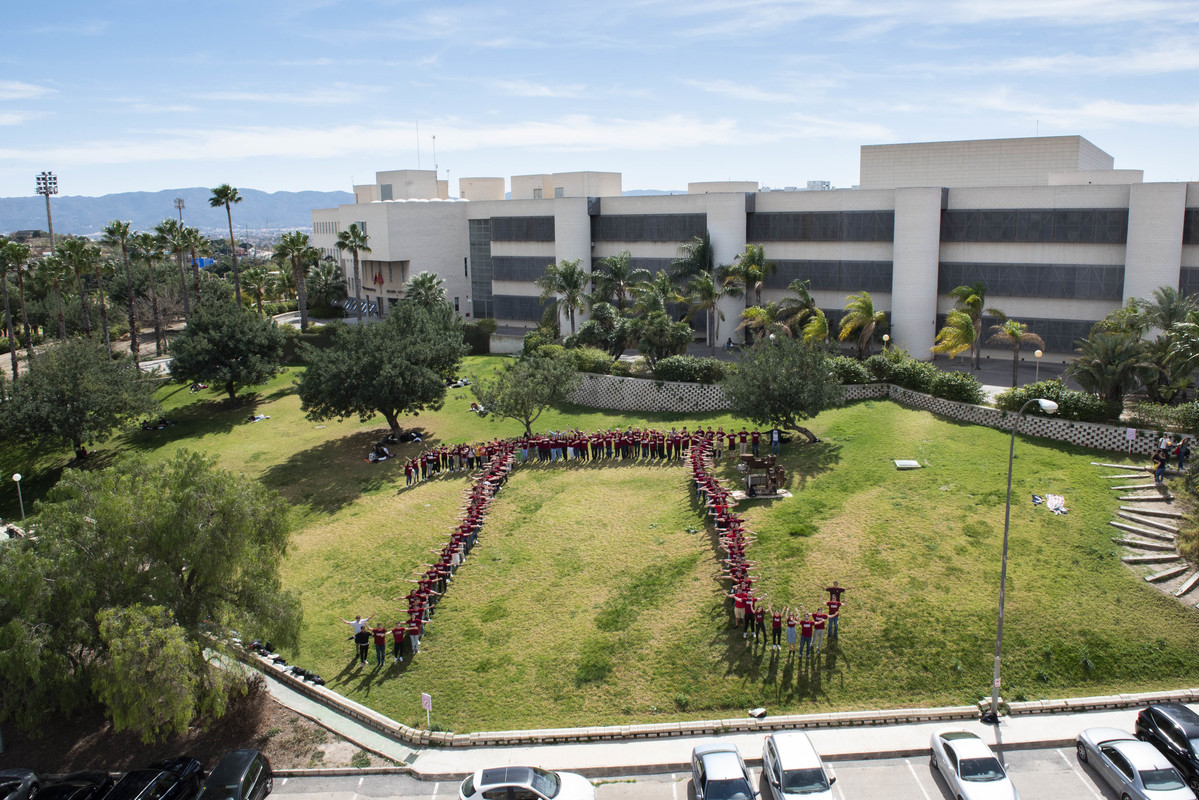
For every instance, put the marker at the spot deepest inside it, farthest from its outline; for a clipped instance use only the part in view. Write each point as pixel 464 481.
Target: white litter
pixel 906 463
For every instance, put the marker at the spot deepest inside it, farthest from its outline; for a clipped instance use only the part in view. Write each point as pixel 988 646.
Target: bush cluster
pixel 1079 406
pixel 280 307
pixel 961 387
pixel 691 369
pixel 850 370
pixel 897 367
pixel 1183 418
pixel 591 359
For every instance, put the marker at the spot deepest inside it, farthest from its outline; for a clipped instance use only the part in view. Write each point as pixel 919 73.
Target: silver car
pixel 793 770
pixel 719 773
pixel 1131 767
pixel 525 783
pixel 969 767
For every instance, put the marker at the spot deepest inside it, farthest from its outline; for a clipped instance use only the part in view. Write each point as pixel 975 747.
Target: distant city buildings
pixel 1058 235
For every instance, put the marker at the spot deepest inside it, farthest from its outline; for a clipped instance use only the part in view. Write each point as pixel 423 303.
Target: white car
pixel 1131 767
pixel 525 783
pixel 969 767
pixel 719 773
pixel 793 769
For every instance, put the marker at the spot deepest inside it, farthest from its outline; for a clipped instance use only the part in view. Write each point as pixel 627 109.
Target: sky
pixel 318 94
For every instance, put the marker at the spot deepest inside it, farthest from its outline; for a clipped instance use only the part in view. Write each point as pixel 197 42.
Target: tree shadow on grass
pixel 193 421
pixel 333 474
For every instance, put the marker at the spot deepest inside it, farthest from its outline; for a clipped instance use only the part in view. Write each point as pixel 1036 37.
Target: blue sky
pixel 310 94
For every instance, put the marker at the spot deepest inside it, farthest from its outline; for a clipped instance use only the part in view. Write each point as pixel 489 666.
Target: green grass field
pixel 588 602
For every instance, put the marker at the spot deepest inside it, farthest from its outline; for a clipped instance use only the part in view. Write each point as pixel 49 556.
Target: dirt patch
pixel 87 741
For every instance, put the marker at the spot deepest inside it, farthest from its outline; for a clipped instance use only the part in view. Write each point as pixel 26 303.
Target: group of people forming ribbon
pixel 495 461
pixel 749 610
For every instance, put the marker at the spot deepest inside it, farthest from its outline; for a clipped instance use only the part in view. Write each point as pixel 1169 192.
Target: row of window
pixel 1053 225
pixel 1056 281
pixel 820 226
pixel 839 276
pixel 329 228
pixel 648 227
pixel 522 229
pixel 1190 226
pixel 479 242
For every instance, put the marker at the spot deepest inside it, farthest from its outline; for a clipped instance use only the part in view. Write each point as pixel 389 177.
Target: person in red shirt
pixel 380 634
pixel 818 618
pixel 776 627
pixel 755 439
pixel 742 441
pixel 397 641
pixel 834 614
pixel 791 621
pixel 835 591
pixel 806 626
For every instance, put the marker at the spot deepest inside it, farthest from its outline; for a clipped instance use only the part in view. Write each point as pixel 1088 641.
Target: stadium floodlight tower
pixel 47 184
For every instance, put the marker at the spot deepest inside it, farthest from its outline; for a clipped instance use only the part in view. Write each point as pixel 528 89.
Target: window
pixel 456 304
pixel 537 193
pixel 496 794
pixel 252 774
pixel 559 191
pixel 385 191
pixel 1118 761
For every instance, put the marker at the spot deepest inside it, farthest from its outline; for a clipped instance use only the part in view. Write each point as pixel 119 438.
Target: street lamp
pixel 886 339
pixel 17 479
pixel 47 184
pixel 1038 354
pixel 1049 407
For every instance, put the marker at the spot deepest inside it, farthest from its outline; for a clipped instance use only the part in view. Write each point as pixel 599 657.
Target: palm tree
pixel 748 273
pixel 226 195
pixel 104 268
pixel 704 295
pixel 14 341
pixel 295 247
pixel 258 279
pixel 797 310
pixel 146 245
pixel 1014 334
pixel 957 336
pixel 615 278
pixel 816 328
pixel 51 272
pixel 426 290
pixel 860 319
pixel 77 255
pixel 119 234
pixel 175 243
pixel 355 240
pixel 766 320
pixel 1111 364
pixel 1167 308
pixel 564 287
pixel 326 282
pixel 972 301
pixel 655 294
pixel 16 255
pixel 696 257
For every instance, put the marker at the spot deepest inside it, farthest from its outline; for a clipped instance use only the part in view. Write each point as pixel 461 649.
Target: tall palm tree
pixel 972 300
pixel 146 245
pixel 197 245
pixel 295 248
pixel 747 273
pixel 258 280
pixel 326 282
pixel 14 341
pixel 796 311
pixel 615 278
pixel 51 272
pixel 766 320
pixel 703 294
pixel 696 257
pixel 957 336
pixel 861 320
pixel 564 285
pixel 17 256
pixel 426 290
pixel 77 255
pixel 655 294
pixel 1167 308
pixel 1014 334
pixel 104 268
pixel 119 234
pixel 816 329
pixel 226 195
pixel 1111 364
pixel 356 241
pixel 174 243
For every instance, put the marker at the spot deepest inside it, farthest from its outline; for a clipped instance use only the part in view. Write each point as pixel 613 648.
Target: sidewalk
pixel 652 756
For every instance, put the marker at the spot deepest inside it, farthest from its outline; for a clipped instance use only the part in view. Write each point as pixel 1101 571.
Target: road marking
pixel 674 789
pixel 360 780
pixel 1077 770
pixel 436 787
pixel 917 779
pixel 284 783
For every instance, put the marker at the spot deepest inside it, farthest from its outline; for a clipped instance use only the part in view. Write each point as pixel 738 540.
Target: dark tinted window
pixel 649 227
pixel 1063 225
pixel 522 229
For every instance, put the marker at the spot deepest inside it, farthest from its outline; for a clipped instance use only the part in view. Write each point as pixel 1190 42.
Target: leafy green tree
pixel 118 234
pixel 703 295
pixel 1014 334
pixel 103 269
pixel 51 272
pixel 397 367
pixel 138 577
pixel 783 382
pixel 173 238
pixel 226 345
pixel 615 278
pixel 6 265
pixel 355 240
pixel 524 389
pixel 148 247
pixel 1111 363
pixel 79 394
pixel 695 258
pixel 799 306
pixel 766 320
pixel 971 301
pixel 861 320
pixel 816 331
pixel 606 330
pixel 16 255
pixel 257 280
pixel 426 290
pixel 197 245
pixel 658 337
pixel 226 195
pixel 564 286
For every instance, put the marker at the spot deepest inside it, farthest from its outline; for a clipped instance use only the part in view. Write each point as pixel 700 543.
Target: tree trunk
pixel 393 422
pixel 133 348
pixel 805 432
pixel 233 252
pixel 748 334
pixel 87 321
pixel 103 310
pixel 62 323
pixel 357 289
pixel 154 310
pixel 1015 364
pixel 14 341
pixel 301 295
pixel 25 317
pixel 231 390
pixel 187 306
pixel 196 276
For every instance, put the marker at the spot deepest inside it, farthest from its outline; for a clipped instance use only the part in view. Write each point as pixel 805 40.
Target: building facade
pixel 1059 237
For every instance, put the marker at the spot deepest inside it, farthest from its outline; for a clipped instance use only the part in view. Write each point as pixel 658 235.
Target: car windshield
pixel 803 781
pixel 546 782
pixel 981 769
pixel 1195 745
pixel 736 789
pixel 1161 780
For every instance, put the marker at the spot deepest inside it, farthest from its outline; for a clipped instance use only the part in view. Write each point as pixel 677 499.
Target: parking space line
pixel 1082 776
pixel 674 789
pixel 917 779
pixel 436 787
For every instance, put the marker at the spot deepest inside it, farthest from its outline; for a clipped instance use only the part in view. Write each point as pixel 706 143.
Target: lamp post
pixel 1049 407
pixel 179 207
pixel 1038 354
pixel 886 340
pixel 17 479
pixel 47 184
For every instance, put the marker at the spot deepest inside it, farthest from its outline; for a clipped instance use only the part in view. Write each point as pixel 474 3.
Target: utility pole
pixel 47 184
pixel 179 208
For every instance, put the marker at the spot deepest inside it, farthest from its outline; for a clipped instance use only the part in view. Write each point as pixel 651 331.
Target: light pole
pixel 1038 354
pixel 17 479
pixel 47 184
pixel 1049 407
pixel 179 208
pixel 886 340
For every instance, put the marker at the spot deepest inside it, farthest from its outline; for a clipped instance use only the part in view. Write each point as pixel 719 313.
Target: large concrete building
pixel 1059 236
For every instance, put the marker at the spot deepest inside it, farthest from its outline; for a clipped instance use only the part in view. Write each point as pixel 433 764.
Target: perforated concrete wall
pixel 639 394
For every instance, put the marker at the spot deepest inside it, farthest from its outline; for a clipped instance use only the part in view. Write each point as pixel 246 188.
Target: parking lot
pixel 1038 774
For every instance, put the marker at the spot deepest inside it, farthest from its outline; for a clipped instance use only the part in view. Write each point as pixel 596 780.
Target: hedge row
pixel 898 368
pixel 1182 418
pixel 1079 406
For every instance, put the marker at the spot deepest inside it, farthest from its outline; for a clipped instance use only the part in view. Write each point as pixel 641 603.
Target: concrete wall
pixel 1154 251
pixel 916 262
pixel 476 189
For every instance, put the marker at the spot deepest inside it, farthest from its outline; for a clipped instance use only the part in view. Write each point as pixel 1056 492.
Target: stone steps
pixel 1163 497
pixel 1161 558
pixel 1137 467
pixel 1146 521
pixel 1130 475
pixel 1143 545
pixel 1158 535
pixel 1187 585
pixel 1154 512
pixel 1166 574
pixel 1135 486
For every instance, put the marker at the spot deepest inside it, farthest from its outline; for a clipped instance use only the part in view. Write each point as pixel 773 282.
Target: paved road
pixel 1038 775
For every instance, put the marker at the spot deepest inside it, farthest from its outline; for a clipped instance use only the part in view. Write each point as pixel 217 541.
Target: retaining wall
pixel 639 394
pixel 506 345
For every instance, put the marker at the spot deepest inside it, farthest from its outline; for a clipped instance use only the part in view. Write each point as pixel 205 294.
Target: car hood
pixel 989 790
pixel 575 787
pixel 827 794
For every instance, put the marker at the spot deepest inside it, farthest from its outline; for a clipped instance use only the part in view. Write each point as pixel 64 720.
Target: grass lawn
pixel 587 601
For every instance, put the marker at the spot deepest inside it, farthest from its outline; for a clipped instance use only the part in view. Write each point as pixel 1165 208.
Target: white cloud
pixel 522 88
pixel 740 91
pixel 18 117
pixel 1165 57
pixel 1090 114
pixel 336 94
pixel 19 90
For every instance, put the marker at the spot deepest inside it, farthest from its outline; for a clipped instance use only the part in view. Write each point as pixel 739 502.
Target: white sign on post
pixel 1131 435
pixel 426 702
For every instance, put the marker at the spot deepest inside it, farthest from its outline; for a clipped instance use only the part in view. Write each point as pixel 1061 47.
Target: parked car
pixel 239 775
pixel 792 768
pixel 169 779
pixel 525 783
pixel 969 767
pixel 719 773
pixel 18 784
pixel 1133 768
pixel 1173 729
pixel 78 786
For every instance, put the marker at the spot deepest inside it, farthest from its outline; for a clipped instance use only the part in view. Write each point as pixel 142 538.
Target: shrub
pixel 477 338
pixel 534 340
pixel 1184 418
pixel 591 359
pixel 879 367
pixel 3 345
pixel 551 350
pixel 919 376
pixel 850 370
pixel 690 369
pixel 960 386
pixel 486 324
pixel 1073 405
pixel 622 369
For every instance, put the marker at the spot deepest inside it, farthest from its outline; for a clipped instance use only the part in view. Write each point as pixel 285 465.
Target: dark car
pixel 78 786
pixel 18 784
pixel 1173 729
pixel 169 779
pixel 239 775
